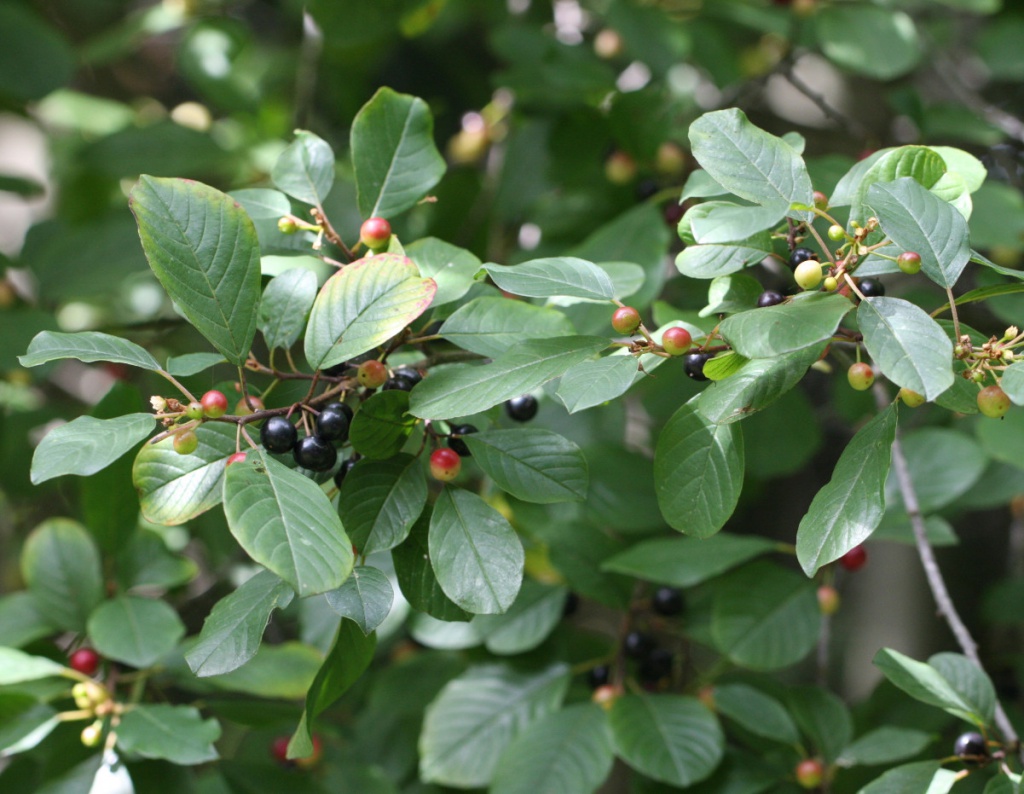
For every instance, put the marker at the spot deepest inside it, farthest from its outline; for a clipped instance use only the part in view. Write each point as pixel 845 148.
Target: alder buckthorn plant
pixel 420 397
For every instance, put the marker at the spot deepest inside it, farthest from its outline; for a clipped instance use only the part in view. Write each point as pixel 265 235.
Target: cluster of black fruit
pixel 315 452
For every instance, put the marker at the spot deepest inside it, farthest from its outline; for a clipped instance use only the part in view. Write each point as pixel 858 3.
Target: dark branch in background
pixel 305 74
pixel 850 123
pixel 936 582
pixel 946 71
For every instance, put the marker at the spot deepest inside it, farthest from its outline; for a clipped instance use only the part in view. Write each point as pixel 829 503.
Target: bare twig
pixel 842 119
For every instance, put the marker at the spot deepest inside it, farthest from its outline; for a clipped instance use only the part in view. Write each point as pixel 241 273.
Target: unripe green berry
pixel 194 410
pixel 625 320
pixel 911 399
pixel 91 734
pixel 836 232
pixel 372 374
pixel 185 442
pixel 828 600
pixel 831 284
pixel 287 225
pixel 808 274
pixel 861 376
pixel 909 262
pixel 993 402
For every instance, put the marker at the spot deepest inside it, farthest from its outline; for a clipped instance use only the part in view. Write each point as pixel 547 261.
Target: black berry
pixel 770 298
pixel 801 255
pixel 456 443
pixel 599 676
pixel 971 746
pixel 344 469
pixel 871 288
pixel 315 453
pixel 337 370
pixel 645 189
pixel 333 422
pixel 694 363
pixel 278 435
pixel 572 603
pixel 656 666
pixel 522 409
pixel 403 379
pixel 667 601
pixel 637 645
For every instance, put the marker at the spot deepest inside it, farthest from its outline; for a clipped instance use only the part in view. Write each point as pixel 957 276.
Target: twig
pixel 305 77
pixel 843 120
pixel 1007 123
pixel 177 385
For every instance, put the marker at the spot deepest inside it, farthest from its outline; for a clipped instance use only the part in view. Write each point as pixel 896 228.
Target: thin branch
pixel 309 58
pixel 1007 123
pixel 842 119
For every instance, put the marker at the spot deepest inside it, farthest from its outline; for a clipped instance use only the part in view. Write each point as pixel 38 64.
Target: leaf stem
pixel 177 385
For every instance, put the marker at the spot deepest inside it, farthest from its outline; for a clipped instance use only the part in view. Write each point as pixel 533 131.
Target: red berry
pixel 820 200
pixel 279 750
pixel 372 374
pixel 445 464
pixel 84 660
pixel 238 457
pixel 676 341
pixel 215 404
pixel 809 773
pixel 909 262
pixel 626 320
pixel 993 402
pixel 375 233
pixel 861 376
pixel 855 558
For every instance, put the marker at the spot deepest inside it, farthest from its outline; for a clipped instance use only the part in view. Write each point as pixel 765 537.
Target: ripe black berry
pixel 403 378
pixel 456 443
pixel 645 189
pixel 637 645
pixel 667 601
pixel 522 409
pixel 694 363
pixel 315 453
pixel 801 255
pixel 333 422
pixel 970 746
pixel 656 666
pixel 871 288
pixel 344 469
pixel 278 435
pixel 599 676
pixel 770 298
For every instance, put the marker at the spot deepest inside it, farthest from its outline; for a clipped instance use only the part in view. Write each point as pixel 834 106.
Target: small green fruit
pixel 831 284
pixel 372 374
pixel 287 225
pixel 92 734
pixel 911 399
pixel 836 232
pixel 820 200
pixel 625 320
pixel 909 262
pixel 828 599
pixel 185 442
pixel 809 773
pixel 194 410
pixel 676 341
pixel 993 402
pixel 861 376
pixel 808 274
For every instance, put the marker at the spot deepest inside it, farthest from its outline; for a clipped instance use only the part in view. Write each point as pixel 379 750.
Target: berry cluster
pixel 316 452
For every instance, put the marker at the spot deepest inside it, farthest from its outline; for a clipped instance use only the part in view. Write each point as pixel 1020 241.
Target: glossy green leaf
pixel 749 162
pixel 193 363
pixel 732 223
pixel 382 425
pixel 61 567
pixel 286 523
pixel 794 325
pixel 731 294
pixel 362 306
pixel 175 488
pixel 263 204
pixel 285 671
pixel 917 220
pixel 710 261
pixel 532 464
pixel 85 445
pixel 907 345
pixel 1013 383
pixel 969 681
pixel 726 364
pixel 415 573
pixel 884 745
pixel 477 557
pixel 685 562
pixel 670 738
pixel 21 622
pixel 35 59
pixel 286 303
pixel 492 326
pixel 847 510
pixel 365 598
pixel 85 346
pixel 876 42
pixel 926 776
pixel 396 162
pixel 145 561
pixel 305 169
pixel 1003 439
pixel 233 631
pixel 17 667
pixel 203 248
pixel 465 389
pixel 478 714
pixel 563 276
pixel 824 719
pixel 765 617
pixel 178 734
pixel 135 630
pixel 453 269
pixel 756 712
pixel 380 501
pixel 568 752
pixel 918 164
pixel 596 382
pixel 963 692
pixel 698 472
pixel 24 722
pixel 536 612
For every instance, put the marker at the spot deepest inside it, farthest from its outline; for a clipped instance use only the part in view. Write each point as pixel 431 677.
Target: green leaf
pixel 670 738
pixel 562 276
pixel 193 363
pixel 685 562
pixel 365 598
pixel 233 630
pixel 884 745
pixel 453 269
pixel 24 723
pixel 203 248
pixel 917 220
pixel 918 163
pixel 35 59
pixel 876 42
pixel 382 425
pixel 476 554
pixel 928 452
pixel 1013 383
pixel 1003 439
pixel 926 776
pixel 725 365
pixel 362 306
pixel 596 382
pixel 765 617
pixel 464 389
pixel 532 464
pixel 568 752
pixel 477 715
pixel 698 472
pixel 176 488
pixel 731 294
pixel 492 326
pixel 969 681
pixel 145 561
pixel 907 345
pixel 847 510
pixel 380 501
pixel 263 204
pixel 794 325
pixel 85 445
pixel 17 667
pixel 749 162
pixel 177 734
pixel 21 621
pixel 135 630
pixel 286 303
pixel 823 718
pixel 966 694
pixel 285 522
pixel 536 612
pixel 415 573
pixel 86 346
pixel 756 712
pixel 305 169
pixel 710 261
pixel 61 567
pixel 284 671
pixel 396 162
pixel 733 223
